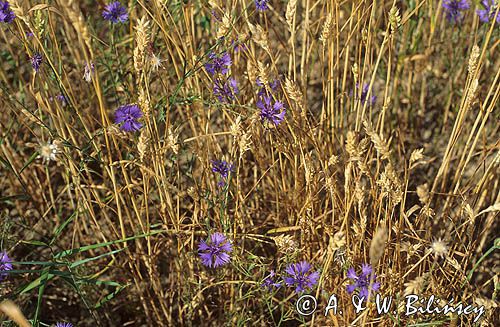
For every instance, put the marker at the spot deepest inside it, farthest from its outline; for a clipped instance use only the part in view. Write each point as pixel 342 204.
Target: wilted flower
pixel 271 113
pixel 364 282
pixel 488 12
pixel 64 324
pixel 439 248
pixel 5 264
pixel 270 282
pixel 301 276
pixel 88 71
pixel 226 91
pixel 218 64
pixel 115 12
pixel 215 251
pixel 36 61
pixel 155 61
pixel 6 14
pixel 453 9
pixel 128 115
pixel 261 5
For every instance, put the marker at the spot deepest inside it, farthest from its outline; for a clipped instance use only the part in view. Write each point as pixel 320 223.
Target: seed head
pixel 439 248
pixel 48 151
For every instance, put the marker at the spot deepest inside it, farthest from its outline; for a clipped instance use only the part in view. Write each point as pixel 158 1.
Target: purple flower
pixel 64 324
pixel 453 9
pixel 128 116
pixel 222 167
pixel 218 64
pixel 488 12
pixel 301 276
pixel 269 282
pixel 271 113
pixel 6 14
pixel 36 61
pixel 115 12
pixel 215 251
pixel 274 86
pixel 362 282
pixel 5 264
pixel 226 91
pixel 261 5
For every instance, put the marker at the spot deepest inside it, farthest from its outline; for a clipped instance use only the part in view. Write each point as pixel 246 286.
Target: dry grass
pixel 107 233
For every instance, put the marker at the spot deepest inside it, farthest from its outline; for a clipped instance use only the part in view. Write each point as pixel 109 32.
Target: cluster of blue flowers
pixel 454 10
pixel 225 88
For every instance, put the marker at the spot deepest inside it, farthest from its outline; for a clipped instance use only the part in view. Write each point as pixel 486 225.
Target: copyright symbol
pixel 306 305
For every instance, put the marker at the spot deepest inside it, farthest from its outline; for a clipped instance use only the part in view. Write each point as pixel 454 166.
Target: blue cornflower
pixel 488 12
pixel 6 14
pixel 128 115
pixel 270 282
pixel 215 251
pixel 453 9
pixel 36 61
pixel 64 324
pixel 261 5
pixel 115 12
pixel 218 64
pixel 5 264
pixel 226 91
pixel 362 282
pixel 301 276
pixel 269 112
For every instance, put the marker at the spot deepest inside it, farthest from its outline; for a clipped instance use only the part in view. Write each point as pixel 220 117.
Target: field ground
pixel 209 163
